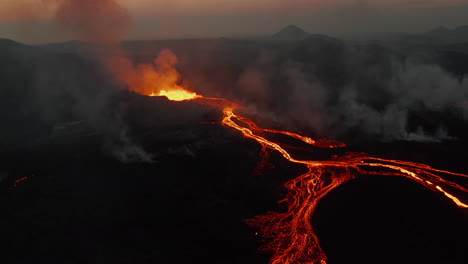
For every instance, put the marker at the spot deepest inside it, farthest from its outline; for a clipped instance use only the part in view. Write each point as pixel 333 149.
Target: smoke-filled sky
pixel 33 21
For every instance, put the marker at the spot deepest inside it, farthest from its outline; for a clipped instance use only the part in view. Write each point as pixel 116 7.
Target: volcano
pixel 218 164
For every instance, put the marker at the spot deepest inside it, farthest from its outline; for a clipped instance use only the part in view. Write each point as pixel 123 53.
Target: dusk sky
pixel 33 21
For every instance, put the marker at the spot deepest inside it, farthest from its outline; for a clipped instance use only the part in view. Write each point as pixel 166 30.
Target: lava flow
pixel 289 235
pixel 176 94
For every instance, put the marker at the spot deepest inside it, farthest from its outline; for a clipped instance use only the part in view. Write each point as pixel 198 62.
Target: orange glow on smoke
pixel 158 78
pixel 289 235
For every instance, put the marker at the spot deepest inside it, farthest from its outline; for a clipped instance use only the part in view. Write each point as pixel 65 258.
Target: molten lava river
pixel 289 235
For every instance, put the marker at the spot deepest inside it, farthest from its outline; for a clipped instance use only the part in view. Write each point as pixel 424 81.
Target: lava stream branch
pixel 406 169
pixel 290 235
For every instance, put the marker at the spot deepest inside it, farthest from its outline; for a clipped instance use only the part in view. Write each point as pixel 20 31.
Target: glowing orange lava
pixel 15 183
pixel 176 94
pixel 289 235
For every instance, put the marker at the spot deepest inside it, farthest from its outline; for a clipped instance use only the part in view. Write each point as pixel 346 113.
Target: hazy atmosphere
pixel 233 132
pixel 32 21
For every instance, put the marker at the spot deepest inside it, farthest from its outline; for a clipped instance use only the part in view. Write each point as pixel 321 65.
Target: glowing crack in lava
pixel 289 235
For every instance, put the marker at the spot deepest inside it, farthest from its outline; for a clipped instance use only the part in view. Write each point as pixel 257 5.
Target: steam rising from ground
pixel 410 88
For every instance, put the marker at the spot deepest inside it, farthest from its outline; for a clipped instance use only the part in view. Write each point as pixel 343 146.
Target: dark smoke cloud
pixel 102 23
pixel 75 88
pixel 98 21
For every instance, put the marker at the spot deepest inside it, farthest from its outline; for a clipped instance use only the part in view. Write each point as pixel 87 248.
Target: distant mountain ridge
pixel 458 34
pixel 439 30
pixel 291 33
pixel 8 43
